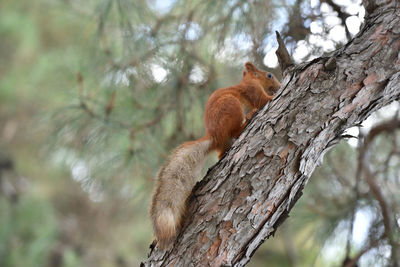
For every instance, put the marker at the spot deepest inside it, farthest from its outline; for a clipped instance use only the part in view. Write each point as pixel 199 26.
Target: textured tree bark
pixel 246 195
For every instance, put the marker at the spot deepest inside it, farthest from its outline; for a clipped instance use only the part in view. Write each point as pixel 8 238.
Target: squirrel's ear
pixel 250 67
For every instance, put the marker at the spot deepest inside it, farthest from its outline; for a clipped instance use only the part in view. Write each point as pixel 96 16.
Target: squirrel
pixel 224 120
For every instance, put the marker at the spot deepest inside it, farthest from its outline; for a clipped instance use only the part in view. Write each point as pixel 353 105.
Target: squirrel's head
pixel 267 80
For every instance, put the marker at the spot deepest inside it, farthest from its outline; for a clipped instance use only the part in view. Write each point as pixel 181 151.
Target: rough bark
pixel 246 195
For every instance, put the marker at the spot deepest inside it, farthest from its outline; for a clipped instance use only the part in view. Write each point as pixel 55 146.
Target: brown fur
pixel 223 118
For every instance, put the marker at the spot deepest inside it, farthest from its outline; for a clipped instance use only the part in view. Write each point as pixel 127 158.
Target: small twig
pixel 285 61
pixel 341 14
pixel 369 6
pixel 378 195
pixel 145 125
pixel 79 79
pixel 111 103
pixel 357 194
pixel 388 126
pixel 351 262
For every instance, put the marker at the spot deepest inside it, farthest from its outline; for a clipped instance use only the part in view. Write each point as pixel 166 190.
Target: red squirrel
pixel 224 120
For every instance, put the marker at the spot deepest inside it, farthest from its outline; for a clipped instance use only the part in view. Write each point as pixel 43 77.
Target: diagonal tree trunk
pixel 246 195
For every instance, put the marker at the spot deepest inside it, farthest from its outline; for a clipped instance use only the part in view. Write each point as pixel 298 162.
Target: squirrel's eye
pixel 269 75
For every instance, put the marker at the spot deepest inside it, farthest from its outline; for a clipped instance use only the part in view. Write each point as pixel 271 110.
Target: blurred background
pixel 95 93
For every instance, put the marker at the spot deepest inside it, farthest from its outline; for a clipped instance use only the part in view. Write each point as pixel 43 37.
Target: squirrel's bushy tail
pixel 175 182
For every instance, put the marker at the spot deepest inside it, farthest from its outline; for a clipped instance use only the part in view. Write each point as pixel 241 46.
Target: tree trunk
pixel 247 194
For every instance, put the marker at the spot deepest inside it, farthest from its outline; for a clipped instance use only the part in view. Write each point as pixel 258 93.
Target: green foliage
pixel 28 231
